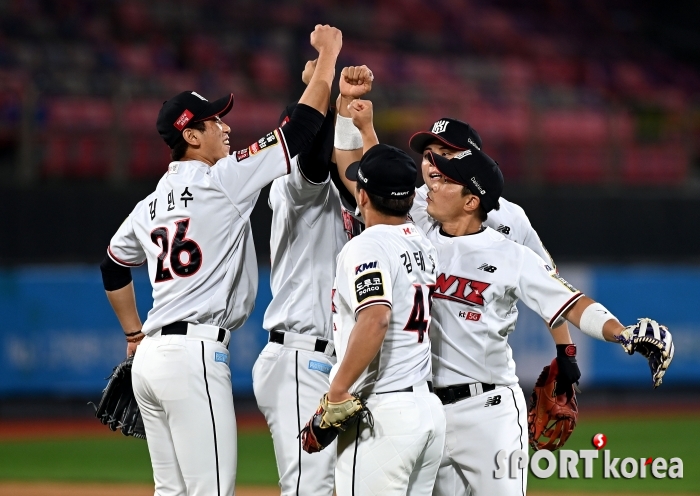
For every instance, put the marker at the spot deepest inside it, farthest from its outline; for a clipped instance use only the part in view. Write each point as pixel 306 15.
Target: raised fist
pixel 325 37
pixel 361 113
pixel 308 71
pixel 356 82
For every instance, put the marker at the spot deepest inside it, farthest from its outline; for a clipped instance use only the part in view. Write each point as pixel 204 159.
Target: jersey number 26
pixel 185 254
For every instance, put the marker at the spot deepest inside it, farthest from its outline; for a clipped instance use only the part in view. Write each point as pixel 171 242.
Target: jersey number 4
pixel 420 319
pixel 185 255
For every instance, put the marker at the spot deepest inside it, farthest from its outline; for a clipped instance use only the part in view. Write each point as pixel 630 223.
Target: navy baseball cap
pixel 475 170
pixel 385 171
pixel 185 108
pixel 451 132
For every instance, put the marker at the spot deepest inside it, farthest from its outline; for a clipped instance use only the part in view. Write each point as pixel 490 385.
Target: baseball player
pixel 480 277
pixel 194 232
pixel 381 311
pixel 448 137
pixel 311 221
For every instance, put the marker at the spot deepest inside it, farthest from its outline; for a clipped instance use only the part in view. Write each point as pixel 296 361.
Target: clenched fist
pixel 328 38
pixel 356 81
pixel 361 113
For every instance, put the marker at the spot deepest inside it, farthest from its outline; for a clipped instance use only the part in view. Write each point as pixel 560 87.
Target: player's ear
pixel 191 136
pixel 471 203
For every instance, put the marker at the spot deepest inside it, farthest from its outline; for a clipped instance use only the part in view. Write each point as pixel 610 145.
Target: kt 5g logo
pixel 544 464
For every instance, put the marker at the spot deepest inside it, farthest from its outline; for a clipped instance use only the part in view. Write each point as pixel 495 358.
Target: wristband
pixel 136 338
pixel 593 319
pixel 347 136
pixel 130 334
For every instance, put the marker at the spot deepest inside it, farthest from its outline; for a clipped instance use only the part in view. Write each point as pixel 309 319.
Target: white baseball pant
pixel 477 429
pixel 401 454
pixel 183 387
pixel 289 382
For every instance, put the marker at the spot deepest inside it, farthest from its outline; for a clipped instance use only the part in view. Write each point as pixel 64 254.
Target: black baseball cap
pixel 385 171
pixel 475 170
pixel 451 132
pixel 185 108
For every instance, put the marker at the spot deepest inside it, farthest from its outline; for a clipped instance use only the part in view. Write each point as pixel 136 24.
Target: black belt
pixel 278 337
pixel 453 394
pixel 409 389
pixel 181 328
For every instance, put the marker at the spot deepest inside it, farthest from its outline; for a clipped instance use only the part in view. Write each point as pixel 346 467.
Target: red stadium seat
pixel 654 164
pixel 574 164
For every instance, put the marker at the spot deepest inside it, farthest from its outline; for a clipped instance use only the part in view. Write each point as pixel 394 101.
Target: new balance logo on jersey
pixel 445 283
pixel 439 127
pixel 493 400
pixel 505 230
pixel 488 268
pixel 364 266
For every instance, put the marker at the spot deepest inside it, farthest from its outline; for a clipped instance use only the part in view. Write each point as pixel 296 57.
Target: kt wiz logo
pixel 544 464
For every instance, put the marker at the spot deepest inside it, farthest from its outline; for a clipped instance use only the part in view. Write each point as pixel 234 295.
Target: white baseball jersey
pixel 394 266
pixel 510 220
pixel 309 228
pixel 194 232
pixel 480 278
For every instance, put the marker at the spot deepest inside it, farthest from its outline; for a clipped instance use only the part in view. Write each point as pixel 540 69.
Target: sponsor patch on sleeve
pixel 270 139
pixel 242 154
pixel 366 266
pixel 564 282
pixel 369 285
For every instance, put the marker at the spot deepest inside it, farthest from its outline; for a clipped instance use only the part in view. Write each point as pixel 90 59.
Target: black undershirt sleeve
pixel 315 159
pixel 302 127
pixel 114 276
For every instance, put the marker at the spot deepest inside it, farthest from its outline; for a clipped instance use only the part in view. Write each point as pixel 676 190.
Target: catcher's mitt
pixel 551 415
pixel 118 408
pixel 331 418
pixel 652 340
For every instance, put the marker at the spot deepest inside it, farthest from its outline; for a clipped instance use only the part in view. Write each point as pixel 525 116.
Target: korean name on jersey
pixel 194 231
pixel 393 266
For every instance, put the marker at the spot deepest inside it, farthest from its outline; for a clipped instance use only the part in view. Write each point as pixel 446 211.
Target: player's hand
pixel 361 113
pixel 339 396
pixel 131 348
pixel 355 81
pixel 327 38
pixel 308 71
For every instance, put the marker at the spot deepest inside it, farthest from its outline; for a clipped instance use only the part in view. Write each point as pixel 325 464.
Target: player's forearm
pixel 343 157
pixel 365 342
pixel 561 334
pixel 318 91
pixel 610 329
pixel 369 138
pixel 123 303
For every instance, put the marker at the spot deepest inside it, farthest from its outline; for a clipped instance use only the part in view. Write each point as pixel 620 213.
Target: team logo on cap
pixel 471 142
pixel 361 176
pixel 182 121
pixel 439 127
pixel 463 154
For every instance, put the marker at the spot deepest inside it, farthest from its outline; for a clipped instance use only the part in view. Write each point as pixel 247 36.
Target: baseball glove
pixel 551 415
pixel 331 418
pixel 118 408
pixel 652 340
